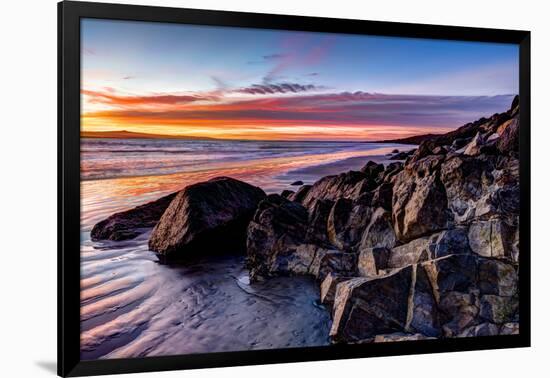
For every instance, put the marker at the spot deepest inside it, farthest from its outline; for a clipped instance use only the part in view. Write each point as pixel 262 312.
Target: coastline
pixel 122 282
pixel 102 197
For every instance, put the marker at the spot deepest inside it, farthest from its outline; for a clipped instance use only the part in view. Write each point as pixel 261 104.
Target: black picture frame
pixel 69 15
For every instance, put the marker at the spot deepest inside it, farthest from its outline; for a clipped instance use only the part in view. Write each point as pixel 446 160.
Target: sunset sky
pixel 241 83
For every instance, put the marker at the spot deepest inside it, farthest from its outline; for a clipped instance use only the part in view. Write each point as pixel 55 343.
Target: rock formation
pixel 424 248
pixel 416 250
pixel 208 216
pixel 131 223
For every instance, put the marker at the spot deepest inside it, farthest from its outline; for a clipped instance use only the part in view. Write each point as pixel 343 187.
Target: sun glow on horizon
pixel 197 81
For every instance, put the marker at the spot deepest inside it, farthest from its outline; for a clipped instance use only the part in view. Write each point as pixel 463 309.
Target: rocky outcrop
pixel 424 248
pixel 208 216
pixel 349 185
pixel 346 222
pixel 403 155
pixel 379 231
pixel 131 223
pixel 454 296
pixel 372 169
pixel 419 204
pixel 276 240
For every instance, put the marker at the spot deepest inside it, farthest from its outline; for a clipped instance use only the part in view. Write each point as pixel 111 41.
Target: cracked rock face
pixel 419 204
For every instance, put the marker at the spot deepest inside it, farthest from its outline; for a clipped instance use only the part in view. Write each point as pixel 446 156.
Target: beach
pixel 131 305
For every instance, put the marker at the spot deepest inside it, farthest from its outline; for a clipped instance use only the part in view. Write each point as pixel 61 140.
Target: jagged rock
pixel 483 329
pixel 439 150
pixel 497 278
pixel 419 200
pixel 349 185
pixel 481 187
pixel 454 283
pixel 475 145
pixel 382 195
pixel 365 307
pixel 206 217
pixel 402 155
pixel 449 242
pixel 278 227
pixel 379 232
pixel 412 252
pixel 335 262
pixel 391 170
pixel 400 336
pixel 131 223
pixel 328 288
pixel 497 309
pixel 467 181
pixel 444 243
pixel 509 137
pixel 346 222
pixel 317 221
pixel 280 241
pixel 372 169
pixel 300 193
pixel 459 143
pixel 297 183
pixel 511 328
pixel 286 193
pixel 305 259
pixel 493 238
pixel 372 261
pixel 398 302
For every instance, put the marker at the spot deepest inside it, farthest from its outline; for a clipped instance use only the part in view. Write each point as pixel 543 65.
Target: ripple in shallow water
pixel 132 306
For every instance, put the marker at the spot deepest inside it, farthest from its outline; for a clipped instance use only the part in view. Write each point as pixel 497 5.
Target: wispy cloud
pixel 109 97
pixel 280 106
pixel 267 89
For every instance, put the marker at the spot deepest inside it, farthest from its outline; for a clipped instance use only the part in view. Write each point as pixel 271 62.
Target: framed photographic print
pixel 239 188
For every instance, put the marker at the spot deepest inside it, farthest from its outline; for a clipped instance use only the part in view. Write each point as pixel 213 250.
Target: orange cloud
pixel 344 115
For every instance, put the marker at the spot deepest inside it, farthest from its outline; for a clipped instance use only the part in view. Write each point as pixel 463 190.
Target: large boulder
pixel 419 200
pixel 131 223
pixel 207 217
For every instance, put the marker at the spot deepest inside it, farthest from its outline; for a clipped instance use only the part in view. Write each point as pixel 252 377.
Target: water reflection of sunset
pixel 100 198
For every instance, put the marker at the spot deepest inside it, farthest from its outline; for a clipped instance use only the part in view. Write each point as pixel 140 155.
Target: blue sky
pixel 142 60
